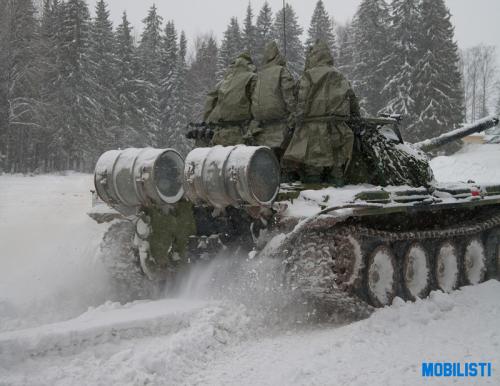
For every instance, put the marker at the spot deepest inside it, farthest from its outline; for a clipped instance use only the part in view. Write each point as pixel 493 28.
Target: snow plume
pixel 255 283
pixel 47 250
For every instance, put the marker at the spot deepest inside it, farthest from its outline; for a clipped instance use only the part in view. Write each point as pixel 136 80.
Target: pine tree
pixel 439 95
pixel 400 89
pixel 264 31
pixel 293 33
pixel 231 47
pixel 102 56
pixel 321 27
pixel 371 35
pixel 249 33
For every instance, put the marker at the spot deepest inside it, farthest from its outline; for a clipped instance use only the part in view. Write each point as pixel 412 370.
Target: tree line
pixel 72 86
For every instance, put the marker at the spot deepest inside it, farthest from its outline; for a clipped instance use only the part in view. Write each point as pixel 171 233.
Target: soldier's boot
pixel 335 176
pixel 311 175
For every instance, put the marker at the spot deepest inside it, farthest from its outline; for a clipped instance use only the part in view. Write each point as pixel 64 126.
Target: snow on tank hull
pixel 345 250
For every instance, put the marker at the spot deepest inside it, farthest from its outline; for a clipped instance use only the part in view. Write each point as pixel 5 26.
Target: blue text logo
pixel 456 369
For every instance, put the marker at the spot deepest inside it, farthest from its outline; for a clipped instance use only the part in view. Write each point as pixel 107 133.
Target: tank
pixel 392 231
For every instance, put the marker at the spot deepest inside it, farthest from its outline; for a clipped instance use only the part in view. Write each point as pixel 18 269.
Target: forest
pixel 73 85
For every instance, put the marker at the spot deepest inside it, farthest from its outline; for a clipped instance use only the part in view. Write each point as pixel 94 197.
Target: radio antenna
pixel 284 27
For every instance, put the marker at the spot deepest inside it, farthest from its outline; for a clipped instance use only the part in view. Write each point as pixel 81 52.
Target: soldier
pixel 321 147
pixel 273 102
pixel 228 107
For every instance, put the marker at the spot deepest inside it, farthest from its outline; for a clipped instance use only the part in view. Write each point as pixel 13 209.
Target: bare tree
pixel 480 80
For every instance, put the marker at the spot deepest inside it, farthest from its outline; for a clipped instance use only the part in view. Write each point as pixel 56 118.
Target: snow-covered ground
pixel 479 163
pixel 57 327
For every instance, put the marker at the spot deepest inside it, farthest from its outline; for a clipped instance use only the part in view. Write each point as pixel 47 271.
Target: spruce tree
pixel 400 89
pixel 201 76
pixel 232 45
pixel 150 47
pixel 292 34
pixel 180 116
pixel 102 56
pixel 264 31
pixel 78 136
pixel 371 38
pixel 321 27
pixel 249 33
pixel 20 81
pixel 345 54
pixel 132 130
pixel 169 79
pixel 439 96
pixel 4 105
pixel 150 55
pixel 50 116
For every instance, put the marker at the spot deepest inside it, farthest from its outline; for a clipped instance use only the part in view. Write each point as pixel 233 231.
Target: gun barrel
pixel 476 127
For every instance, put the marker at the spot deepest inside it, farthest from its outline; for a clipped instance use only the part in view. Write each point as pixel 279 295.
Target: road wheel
pixel 348 263
pixel 493 254
pixel 382 276
pixel 447 267
pixel 475 261
pixel 416 272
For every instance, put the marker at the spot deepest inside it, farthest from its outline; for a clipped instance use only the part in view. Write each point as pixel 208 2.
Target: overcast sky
pixel 476 21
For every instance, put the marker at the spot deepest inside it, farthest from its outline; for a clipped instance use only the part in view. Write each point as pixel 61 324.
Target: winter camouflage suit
pixel 320 150
pixel 228 107
pixel 273 102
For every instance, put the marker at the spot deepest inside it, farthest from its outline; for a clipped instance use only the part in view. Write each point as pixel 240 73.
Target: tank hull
pixel 355 249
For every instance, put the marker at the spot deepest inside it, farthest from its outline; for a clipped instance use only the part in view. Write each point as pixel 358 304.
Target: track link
pixel 349 264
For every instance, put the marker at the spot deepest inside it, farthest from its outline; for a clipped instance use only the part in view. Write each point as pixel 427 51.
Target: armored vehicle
pixel 392 231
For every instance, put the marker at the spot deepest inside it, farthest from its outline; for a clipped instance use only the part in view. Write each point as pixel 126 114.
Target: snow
pixel 58 327
pixel 386 349
pixel 47 249
pixel 479 163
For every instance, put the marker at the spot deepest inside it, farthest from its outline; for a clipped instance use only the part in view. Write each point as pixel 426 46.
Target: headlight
pixel 132 177
pixel 232 176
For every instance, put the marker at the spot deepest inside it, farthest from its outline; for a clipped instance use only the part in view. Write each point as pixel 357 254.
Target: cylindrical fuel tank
pixel 139 177
pixel 232 176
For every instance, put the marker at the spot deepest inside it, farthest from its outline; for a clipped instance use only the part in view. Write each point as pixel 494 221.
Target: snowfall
pixel 60 323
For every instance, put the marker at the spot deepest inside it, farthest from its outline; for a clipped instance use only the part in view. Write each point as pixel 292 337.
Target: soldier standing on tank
pixel 322 144
pixel 273 103
pixel 227 108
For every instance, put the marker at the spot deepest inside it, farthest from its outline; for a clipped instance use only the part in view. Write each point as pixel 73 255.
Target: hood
pixel 272 55
pixel 319 55
pixel 243 63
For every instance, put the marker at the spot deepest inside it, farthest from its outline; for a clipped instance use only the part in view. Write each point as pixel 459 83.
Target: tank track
pixel 341 267
pixel 120 258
